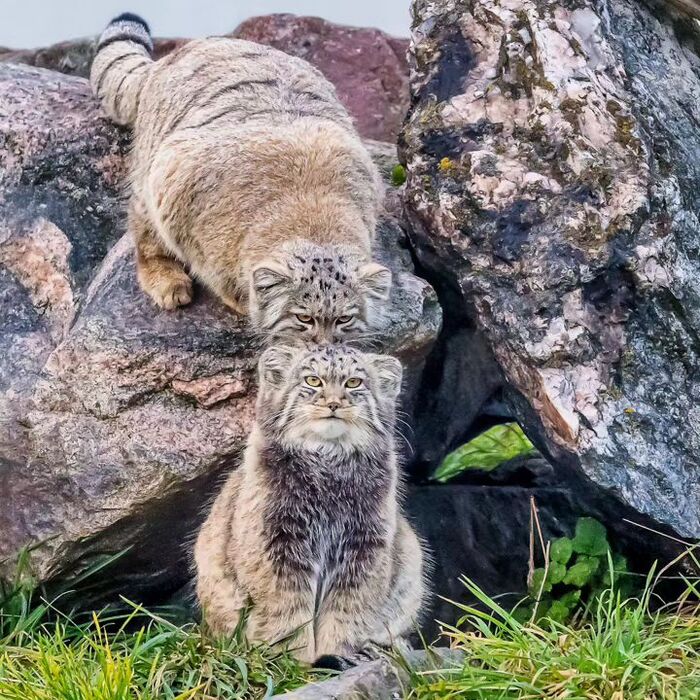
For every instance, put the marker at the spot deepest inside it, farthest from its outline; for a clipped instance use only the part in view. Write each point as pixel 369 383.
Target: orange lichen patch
pixel 209 391
pixel 560 423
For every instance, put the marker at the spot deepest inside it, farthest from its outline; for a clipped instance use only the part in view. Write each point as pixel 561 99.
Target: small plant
pixel 20 611
pixel 398 175
pixel 577 570
pixel 487 451
pixel 619 650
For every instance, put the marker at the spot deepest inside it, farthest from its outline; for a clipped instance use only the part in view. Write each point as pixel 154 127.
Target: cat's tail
pixel 121 66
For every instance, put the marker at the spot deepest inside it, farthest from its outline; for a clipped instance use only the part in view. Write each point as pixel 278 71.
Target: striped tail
pixel 121 65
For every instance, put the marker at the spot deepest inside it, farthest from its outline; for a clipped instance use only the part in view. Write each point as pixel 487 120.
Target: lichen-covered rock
pixel 554 181
pixel 368 67
pixel 117 419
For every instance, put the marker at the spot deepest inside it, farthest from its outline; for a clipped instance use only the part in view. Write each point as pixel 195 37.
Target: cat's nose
pixel 333 406
pixel 322 340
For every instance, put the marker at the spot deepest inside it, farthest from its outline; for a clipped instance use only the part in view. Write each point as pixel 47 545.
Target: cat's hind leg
pixel 160 275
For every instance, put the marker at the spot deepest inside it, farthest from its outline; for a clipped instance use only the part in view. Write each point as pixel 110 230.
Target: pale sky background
pixel 33 23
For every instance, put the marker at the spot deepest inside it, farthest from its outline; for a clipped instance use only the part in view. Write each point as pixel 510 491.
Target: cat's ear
pixel 274 364
pixel 269 279
pixel 389 373
pixel 375 279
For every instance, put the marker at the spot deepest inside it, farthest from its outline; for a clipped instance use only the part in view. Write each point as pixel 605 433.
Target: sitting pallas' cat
pixel 308 532
pixel 247 174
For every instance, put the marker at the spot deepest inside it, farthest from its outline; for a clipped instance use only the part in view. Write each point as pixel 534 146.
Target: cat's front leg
pixel 285 618
pixel 160 275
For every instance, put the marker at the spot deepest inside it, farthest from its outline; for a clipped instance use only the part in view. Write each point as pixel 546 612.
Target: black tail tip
pixel 131 17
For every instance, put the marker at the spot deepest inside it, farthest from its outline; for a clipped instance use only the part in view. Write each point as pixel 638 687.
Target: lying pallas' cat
pixel 246 173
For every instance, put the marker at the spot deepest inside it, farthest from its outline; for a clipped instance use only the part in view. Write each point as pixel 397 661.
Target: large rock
pixel 368 67
pixel 117 420
pixel 557 194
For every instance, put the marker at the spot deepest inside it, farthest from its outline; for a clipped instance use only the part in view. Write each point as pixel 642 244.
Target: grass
pixel 45 655
pixel 619 649
pixel 69 661
pixel 614 649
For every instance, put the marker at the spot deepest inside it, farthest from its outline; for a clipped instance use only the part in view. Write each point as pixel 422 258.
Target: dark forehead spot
pixel 317 260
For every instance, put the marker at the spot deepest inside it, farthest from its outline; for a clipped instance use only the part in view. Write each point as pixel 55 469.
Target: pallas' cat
pixel 309 532
pixel 247 174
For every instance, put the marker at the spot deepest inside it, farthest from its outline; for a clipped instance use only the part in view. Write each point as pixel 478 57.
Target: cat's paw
pixel 171 292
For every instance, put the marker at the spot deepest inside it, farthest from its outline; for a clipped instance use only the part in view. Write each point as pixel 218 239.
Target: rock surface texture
pixel 368 67
pixel 553 157
pixel 117 419
pixel 382 679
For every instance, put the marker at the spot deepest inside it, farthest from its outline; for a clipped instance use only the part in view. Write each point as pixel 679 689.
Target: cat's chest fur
pixel 325 517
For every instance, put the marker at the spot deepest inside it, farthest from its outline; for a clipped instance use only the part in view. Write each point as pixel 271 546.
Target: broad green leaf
pixel 486 451
pixel 558 611
pixel 571 598
pixel 543 607
pixel 591 538
pixel 536 586
pixel 556 572
pixel 593 563
pixel 561 550
pixel 579 574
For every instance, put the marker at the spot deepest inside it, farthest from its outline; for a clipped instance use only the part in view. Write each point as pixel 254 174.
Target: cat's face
pixel 317 293
pixel 326 396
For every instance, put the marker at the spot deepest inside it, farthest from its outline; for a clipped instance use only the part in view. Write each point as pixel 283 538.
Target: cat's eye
pixel 305 318
pixel 353 383
pixel 344 319
pixel 313 380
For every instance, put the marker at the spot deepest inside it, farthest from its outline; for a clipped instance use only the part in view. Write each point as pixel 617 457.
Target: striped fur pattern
pixel 243 159
pixel 308 532
pixel 121 64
